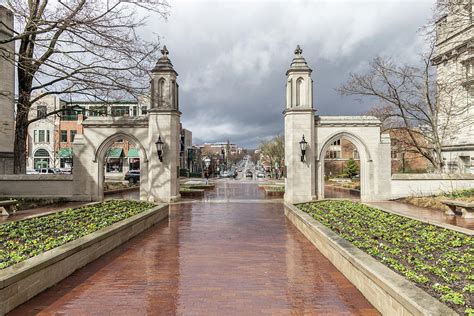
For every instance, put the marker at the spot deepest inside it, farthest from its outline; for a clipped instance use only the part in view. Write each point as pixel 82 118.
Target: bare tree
pixel 82 48
pixel 426 112
pixel 273 151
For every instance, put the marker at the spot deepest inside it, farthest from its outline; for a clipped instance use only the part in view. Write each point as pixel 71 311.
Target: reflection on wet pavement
pixel 209 259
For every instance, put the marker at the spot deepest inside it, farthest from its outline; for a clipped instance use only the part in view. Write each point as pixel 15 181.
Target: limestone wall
pixel 404 185
pixel 7 90
pixel 37 186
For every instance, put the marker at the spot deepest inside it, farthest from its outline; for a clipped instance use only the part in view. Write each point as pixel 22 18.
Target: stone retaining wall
pixel 404 185
pixel 22 281
pixel 37 186
pixel 389 292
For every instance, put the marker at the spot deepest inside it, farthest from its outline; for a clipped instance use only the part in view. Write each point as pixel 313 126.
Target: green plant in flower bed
pixel 188 189
pixel 24 239
pixel 273 187
pixel 440 261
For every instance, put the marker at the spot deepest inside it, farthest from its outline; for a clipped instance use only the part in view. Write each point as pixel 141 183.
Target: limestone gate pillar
pixel 300 183
pixel 164 123
pixel 7 92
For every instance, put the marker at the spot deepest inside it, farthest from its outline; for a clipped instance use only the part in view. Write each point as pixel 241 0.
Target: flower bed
pixel 438 260
pixel 27 238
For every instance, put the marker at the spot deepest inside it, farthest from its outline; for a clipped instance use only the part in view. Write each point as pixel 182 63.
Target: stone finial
pixel 298 50
pixel 165 51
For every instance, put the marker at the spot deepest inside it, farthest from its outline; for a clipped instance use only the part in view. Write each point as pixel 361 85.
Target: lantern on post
pixel 303 146
pixel 159 148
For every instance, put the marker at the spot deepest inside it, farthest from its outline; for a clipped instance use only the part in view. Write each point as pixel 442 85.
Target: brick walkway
pixel 208 259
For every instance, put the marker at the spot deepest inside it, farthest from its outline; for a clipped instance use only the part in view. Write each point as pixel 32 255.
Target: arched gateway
pixel 305 166
pixel 159 170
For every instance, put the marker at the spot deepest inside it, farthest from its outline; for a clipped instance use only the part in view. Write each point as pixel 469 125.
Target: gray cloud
pixel 232 57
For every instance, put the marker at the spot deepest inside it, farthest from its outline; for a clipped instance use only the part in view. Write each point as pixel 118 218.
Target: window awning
pixel 133 153
pixel 65 153
pixel 114 153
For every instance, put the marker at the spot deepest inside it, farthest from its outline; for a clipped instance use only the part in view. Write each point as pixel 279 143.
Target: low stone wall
pixel 37 186
pixel 22 281
pixel 387 291
pixel 404 185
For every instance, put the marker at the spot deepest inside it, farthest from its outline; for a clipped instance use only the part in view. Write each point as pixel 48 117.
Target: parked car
pixel 260 175
pixel 31 171
pixel 132 176
pixel 48 171
pixel 249 174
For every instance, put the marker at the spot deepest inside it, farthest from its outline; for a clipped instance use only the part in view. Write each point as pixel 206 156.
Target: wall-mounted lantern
pixel 303 146
pixel 159 148
pixel 207 162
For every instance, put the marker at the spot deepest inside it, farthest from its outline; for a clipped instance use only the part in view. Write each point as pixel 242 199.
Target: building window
pixel 394 154
pixel 144 110
pixel 97 111
pixel 47 136
pixel 337 143
pixel 333 154
pixel 120 111
pixel 134 111
pixel 41 111
pixel 72 135
pixel 41 136
pixel 63 136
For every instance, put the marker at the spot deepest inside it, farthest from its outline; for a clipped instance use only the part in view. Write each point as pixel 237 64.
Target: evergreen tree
pixel 351 168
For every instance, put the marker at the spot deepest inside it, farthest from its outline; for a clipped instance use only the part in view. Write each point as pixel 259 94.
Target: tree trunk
pixel 25 81
pixel 21 137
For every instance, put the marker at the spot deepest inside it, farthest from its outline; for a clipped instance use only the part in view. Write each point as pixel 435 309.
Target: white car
pixel 31 171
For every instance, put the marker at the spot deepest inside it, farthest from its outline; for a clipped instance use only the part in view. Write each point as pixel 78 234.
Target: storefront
pixel 133 159
pixel 114 160
pixel 65 158
pixel 41 159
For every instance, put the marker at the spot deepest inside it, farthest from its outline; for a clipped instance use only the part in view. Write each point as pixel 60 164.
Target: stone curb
pixel 389 292
pixel 22 281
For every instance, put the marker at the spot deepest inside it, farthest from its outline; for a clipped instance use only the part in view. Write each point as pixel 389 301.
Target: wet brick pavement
pixel 209 259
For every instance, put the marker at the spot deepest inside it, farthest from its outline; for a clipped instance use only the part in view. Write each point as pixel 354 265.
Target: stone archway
pixel 99 158
pixel 159 174
pixel 365 160
pixel 305 170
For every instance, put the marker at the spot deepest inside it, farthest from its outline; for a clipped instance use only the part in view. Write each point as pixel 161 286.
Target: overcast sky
pixel 232 56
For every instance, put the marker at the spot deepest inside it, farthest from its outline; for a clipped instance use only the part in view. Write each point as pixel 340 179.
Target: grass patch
pixel 272 187
pixel 24 239
pixel 110 186
pixel 189 189
pixel 434 202
pixel 27 203
pixel 438 260
pixel 198 186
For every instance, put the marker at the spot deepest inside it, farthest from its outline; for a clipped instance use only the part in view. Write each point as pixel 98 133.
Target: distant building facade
pixel 50 138
pixel 454 61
